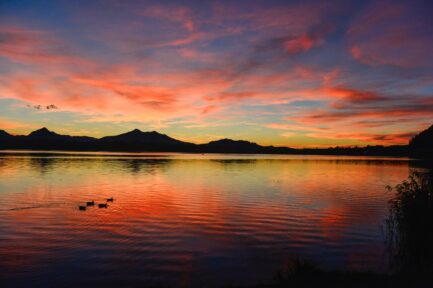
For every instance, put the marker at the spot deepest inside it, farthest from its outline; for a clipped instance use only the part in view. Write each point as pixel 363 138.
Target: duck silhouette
pixel 110 199
pixel 102 205
pixel 90 203
pixel 82 208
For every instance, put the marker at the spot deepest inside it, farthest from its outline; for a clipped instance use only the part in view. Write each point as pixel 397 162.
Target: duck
pixel 110 199
pixel 90 203
pixel 82 208
pixel 102 205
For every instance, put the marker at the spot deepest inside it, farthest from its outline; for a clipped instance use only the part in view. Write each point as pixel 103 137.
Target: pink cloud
pixel 174 14
pixel 35 47
pixel 293 19
pixel 388 33
pixel 371 113
pixel 197 55
pixel 306 41
pixel 299 44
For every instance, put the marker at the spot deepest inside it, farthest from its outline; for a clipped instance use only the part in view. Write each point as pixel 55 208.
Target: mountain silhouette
pixel 137 136
pixel 242 146
pixel 236 145
pixel 233 143
pixel 421 145
pixel 4 134
pixel 44 133
pixel 139 141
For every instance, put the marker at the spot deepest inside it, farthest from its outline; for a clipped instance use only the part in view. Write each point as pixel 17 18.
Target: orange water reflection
pixel 189 221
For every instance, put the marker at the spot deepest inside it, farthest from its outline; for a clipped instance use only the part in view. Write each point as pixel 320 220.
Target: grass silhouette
pixel 409 226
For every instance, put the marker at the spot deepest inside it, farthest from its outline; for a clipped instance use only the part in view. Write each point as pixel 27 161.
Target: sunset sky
pixel 299 73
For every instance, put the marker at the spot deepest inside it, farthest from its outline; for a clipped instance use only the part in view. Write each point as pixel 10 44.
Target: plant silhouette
pixel 409 226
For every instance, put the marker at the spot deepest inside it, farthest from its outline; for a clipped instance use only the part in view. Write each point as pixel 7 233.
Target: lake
pixel 188 219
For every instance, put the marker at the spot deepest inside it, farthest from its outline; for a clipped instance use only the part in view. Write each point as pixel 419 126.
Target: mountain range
pixel 136 140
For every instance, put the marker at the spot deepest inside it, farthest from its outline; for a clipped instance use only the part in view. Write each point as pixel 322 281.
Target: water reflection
pixel 188 221
pixel 151 166
pixel 234 161
pixel 43 164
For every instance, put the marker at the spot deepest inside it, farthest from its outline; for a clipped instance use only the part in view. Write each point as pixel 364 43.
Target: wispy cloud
pixel 310 69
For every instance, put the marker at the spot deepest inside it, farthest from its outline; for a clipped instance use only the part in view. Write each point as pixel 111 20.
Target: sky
pixel 292 73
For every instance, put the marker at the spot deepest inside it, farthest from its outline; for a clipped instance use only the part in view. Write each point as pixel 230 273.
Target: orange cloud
pixel 6 124
pixel 354 95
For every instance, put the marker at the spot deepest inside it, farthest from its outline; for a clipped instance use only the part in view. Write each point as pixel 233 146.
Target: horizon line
pixel 219 139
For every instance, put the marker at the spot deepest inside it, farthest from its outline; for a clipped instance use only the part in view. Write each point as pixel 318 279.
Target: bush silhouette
pixel 409 226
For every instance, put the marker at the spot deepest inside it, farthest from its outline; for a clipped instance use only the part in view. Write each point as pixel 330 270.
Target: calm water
pixel 188 220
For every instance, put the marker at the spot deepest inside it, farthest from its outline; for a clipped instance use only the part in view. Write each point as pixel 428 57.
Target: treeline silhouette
pixel 421 146
pixel 138 141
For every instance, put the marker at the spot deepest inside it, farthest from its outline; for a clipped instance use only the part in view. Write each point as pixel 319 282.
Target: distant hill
pixel 421 145
pixel 236 146
pixel 44 133
pixel 138 136
pixel 136 140
pixel 4 134
pixel 242 146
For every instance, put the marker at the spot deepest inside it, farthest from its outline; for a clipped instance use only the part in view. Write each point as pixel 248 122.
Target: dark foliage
pixel 421 146
pixel 409 227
